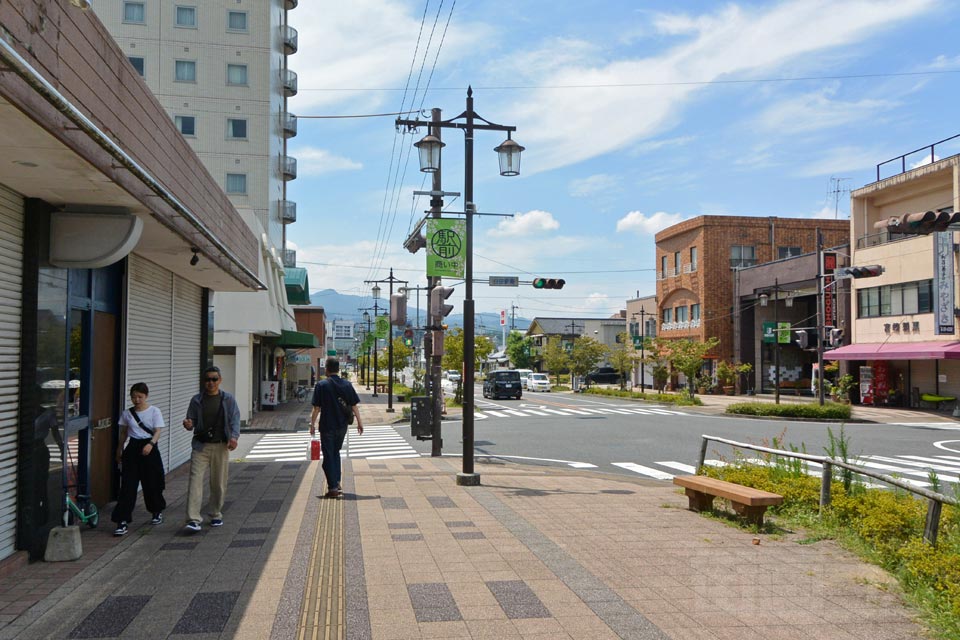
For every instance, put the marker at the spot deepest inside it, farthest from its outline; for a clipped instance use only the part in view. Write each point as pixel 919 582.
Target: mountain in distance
pixel 342 306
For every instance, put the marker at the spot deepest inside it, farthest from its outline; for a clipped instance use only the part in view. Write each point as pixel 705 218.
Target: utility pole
pixel 821 312
pixel 390 280
pixel 513 316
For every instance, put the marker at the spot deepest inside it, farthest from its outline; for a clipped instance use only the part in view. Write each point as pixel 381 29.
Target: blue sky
pixel 635 116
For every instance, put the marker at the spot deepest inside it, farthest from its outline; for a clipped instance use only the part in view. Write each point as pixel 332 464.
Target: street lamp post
pixel 376 296
pixel 643 339
pixel 776 333
pixel 509 154
pixel 366 364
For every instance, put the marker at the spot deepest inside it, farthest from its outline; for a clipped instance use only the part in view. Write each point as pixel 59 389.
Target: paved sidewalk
pixel 531 553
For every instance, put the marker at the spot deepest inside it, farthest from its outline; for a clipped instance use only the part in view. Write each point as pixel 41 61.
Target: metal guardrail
pixel 903 158
pixel 935 500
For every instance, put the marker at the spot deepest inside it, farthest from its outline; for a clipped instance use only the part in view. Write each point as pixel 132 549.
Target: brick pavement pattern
pixel 531 553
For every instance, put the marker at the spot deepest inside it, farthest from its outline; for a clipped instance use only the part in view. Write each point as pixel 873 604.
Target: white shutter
pixel 185 376
pixel 11 307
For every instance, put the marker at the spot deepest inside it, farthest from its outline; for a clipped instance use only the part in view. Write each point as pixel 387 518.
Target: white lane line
pixel 496 414
pixel 923 470
pixel 646 471
pixel 577 411
pixel 576 465
pixel 925 463
pixel 620 411
pixel 679 466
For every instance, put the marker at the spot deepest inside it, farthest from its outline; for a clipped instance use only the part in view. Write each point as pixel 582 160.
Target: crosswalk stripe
pixel 536 412
pixel 496 414
pixel 679 466
pixel 580 412
pixel 642 470
pixel 559 412
pixel 925 463
pixel 514 412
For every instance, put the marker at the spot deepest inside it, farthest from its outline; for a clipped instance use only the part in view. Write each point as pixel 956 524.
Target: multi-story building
pixel 603 330
pixel 220 70
pixel 642 324
pixel 904 338
pixel 696 260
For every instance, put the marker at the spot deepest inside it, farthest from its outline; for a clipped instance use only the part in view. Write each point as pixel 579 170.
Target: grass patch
pixel 682 400
pixel 829 411
pixel 882 526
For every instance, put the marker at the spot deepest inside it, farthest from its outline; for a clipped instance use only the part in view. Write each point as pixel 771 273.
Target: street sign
pixel 332 353
pixel 446 247
pixel 771 333
pixel 783 333
pixel 503 317
pixel 504 281
pixel 383 326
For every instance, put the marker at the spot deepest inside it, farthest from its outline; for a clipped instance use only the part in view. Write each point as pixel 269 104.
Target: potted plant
pixel 841 390
pixel 703 383
pixel 727 377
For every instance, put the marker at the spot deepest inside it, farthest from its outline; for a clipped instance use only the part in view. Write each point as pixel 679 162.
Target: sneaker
pixel 193 526
pixel 121 529
pixel 157 518
pixel 216 522
pixel 334 493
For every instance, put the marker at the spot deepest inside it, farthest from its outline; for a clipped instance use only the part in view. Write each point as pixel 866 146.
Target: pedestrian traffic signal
pixel 438 308
pixel 803 339
pixel 868 271
pixel 836 337
pixel 548 283
pixel 398 309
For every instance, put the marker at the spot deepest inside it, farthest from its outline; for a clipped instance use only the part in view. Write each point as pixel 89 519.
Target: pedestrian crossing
pixel 376 443
pixel 912 469
pixel 485 411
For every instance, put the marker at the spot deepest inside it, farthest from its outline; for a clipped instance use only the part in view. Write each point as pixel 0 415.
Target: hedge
pixel 661 398
pixel 829 411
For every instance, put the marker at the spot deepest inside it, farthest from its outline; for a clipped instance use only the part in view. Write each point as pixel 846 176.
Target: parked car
pixel 524 374
pixel 502 384
pixel 603 375
pixel 538 382
pixel 452 375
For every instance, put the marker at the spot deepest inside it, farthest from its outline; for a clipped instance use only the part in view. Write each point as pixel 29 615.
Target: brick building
pixel 696 259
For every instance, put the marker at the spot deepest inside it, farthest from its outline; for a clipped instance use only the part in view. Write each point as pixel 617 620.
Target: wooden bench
pixel 749 503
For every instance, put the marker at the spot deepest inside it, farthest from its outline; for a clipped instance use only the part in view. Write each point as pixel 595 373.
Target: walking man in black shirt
pixel 335 401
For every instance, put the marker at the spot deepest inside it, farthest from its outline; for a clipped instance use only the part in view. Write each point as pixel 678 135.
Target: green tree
pixel 658 357
pixel 518 349
pixel 687 356
pixel 555 357
pixel 453 350
pixel 401 353
pixel 623 357
pixel 585 355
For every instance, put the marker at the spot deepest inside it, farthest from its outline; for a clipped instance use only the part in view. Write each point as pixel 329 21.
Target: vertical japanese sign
pixel 446 247
pixel 503 317
pixel 383 326
pixel 829 307
pixel 943 293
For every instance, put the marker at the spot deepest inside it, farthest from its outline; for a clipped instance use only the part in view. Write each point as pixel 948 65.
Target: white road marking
pixel 679 466
pixel 642 470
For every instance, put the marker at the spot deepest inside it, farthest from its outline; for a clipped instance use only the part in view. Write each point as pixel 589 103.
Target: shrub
pixel 830 410
pixel 662 398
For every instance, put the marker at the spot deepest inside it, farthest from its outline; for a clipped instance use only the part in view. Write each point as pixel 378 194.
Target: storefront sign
pixel 829 291
pixel 783 333
pixel 768 331
pixel 782 336
pixel 943 292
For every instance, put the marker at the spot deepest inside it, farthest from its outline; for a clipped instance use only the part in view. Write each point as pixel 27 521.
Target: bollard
pixel 703 456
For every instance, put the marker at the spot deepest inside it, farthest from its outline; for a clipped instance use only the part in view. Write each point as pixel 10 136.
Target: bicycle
pixel 83 510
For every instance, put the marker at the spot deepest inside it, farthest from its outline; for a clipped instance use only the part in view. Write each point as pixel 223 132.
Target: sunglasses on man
pixel 211 379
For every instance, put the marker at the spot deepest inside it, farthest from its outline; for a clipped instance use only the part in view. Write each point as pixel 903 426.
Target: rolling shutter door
pixel 185 376
pixel 163 348
pixel 11 305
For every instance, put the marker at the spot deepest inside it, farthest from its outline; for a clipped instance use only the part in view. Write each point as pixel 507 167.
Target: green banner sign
pixel 383 327
pixel 446 247
pixel 782 336
pixel 368 342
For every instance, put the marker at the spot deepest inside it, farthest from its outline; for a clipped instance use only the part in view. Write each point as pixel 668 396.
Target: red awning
pixel 897 351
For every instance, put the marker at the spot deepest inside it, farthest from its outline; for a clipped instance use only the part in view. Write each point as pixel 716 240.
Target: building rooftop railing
pixel 902 159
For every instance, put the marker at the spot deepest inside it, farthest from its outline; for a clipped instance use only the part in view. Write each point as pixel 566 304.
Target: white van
pixel 524 373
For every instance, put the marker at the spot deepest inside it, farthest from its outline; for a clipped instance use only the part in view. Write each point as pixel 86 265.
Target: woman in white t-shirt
pixel 140 460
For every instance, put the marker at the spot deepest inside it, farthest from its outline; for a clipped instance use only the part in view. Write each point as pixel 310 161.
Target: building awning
pixel 297 340
pixel 897 351
pixel 298 287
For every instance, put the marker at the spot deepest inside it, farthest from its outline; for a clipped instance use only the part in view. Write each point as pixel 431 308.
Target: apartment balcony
pixel 288 167
pixel 291 4
pixel 289 258
pixel 289 39
pixel 288 211
pixel 289 79
pixel 288 123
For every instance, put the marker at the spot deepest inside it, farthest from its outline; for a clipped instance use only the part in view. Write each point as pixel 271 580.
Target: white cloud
pixel 828 212
pixel 312 161
pixel 381 58
pixel 644 224
pixel 523 224
pixel 840 160
pixel 815 111
pixel 731 43
pixel 593 185
pixel 924 161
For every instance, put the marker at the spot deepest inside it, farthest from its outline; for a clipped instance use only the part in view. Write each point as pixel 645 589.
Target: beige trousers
pixel 216 457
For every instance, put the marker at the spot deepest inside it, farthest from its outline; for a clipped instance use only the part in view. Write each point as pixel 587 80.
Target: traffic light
pixel 548 283
pixel 438 308
pixel 868 271
pixel 398 309
pixel 408 337
pixel 920 223
pixel 803 339
pixel 836 337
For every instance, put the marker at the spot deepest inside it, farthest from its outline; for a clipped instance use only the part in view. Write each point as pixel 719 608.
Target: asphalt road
pixel 624 437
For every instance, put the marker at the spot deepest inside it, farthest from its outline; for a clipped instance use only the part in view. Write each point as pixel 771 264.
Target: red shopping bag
pixel 314 449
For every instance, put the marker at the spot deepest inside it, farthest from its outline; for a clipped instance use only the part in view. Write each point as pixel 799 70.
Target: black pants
pixel 140 469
